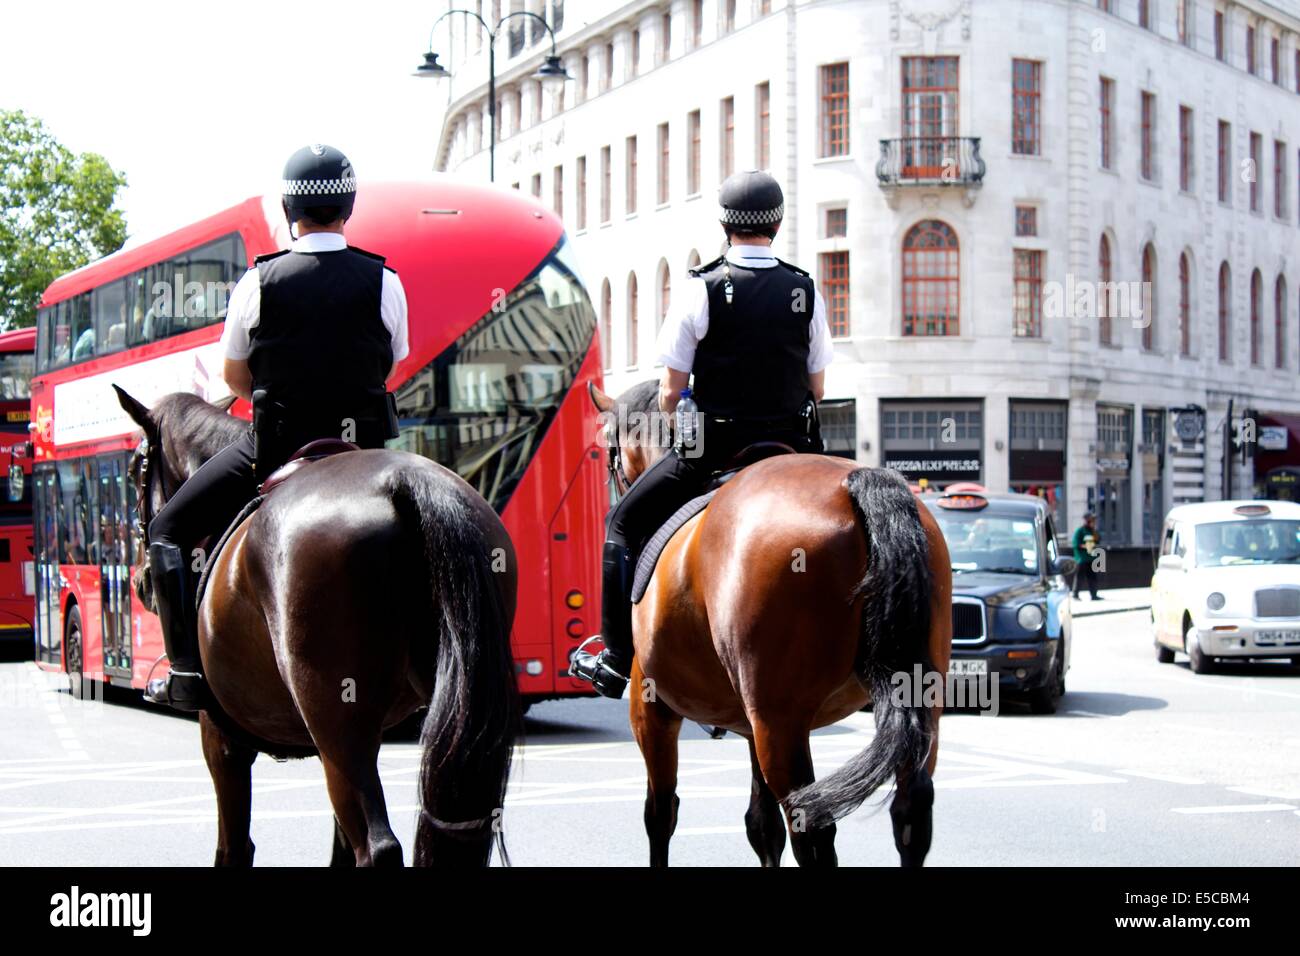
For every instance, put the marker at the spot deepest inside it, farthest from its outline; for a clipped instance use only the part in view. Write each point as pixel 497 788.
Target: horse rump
pixel 895 592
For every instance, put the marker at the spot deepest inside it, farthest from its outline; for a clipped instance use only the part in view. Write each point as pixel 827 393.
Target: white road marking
pixel 1271 794
pixel 1236 808
pixel 1163 777
pixel 1235 688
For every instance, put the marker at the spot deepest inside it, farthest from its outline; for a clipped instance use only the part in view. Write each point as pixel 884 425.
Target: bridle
pixel 614 464
pixel 144 513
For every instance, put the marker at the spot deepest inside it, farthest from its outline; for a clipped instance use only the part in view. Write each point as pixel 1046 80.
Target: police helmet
pixel 751 201
pixel 318 184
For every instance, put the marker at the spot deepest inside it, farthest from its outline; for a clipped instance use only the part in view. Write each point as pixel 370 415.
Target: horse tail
pixel 894 639
pixel 468 736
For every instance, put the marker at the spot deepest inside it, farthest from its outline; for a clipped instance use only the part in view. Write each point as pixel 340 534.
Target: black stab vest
pixel 753 361
pixel 320 347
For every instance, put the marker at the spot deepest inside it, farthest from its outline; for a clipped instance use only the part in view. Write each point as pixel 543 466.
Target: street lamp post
pixel 550 71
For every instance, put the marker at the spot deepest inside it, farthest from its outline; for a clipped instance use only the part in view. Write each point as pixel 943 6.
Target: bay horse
pixel 366 586
pixel 792 601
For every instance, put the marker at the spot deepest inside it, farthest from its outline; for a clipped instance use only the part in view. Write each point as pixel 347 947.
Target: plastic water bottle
pixel 688 420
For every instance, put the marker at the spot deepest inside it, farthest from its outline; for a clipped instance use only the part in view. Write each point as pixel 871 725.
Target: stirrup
pixel 590 667
pixel 162 691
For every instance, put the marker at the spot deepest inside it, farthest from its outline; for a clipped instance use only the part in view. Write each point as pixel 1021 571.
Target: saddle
pixel 645 565
pixel 312 451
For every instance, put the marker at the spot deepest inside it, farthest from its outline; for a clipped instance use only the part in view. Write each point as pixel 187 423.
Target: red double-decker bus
pixel 503 345
pixel 17 581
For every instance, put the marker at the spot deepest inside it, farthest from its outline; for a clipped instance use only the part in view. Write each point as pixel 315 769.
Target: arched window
pixel 606 324
pixel 631 320
pixel 1148 296
pixel 665 292
pixel 1279 322
pixel 931 280
pixel 1256 330
pixel 1184 305
pixel 1225 311
pixel 1104 291
pixel 693 260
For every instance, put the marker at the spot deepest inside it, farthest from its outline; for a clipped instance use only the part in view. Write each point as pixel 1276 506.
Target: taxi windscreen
pixel 978 541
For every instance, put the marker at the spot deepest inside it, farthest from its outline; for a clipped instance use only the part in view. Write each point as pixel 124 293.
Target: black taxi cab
pixel 1011 593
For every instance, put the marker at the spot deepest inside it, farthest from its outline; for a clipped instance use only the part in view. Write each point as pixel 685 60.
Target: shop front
pixel 1037 452
pixel 933 443
pixel 1277 457
pixel 1111 497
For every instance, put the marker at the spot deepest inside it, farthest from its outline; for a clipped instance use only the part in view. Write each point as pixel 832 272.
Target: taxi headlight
pixel 1030 617
pixel 1215 601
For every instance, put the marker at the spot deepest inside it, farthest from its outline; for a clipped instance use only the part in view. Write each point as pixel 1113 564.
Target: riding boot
pixel 609 670
pixel 183 688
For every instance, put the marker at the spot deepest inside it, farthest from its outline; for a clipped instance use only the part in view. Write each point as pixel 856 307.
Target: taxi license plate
pixel 979 667
pixel 1277 637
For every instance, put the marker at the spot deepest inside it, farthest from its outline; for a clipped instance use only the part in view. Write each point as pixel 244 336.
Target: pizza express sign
pixel 935 465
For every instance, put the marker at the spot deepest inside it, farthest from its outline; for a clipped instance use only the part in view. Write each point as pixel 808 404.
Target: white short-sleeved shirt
pixel 243 310
pixel 687 321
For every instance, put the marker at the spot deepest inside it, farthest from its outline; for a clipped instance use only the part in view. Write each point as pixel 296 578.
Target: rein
pixel 614 465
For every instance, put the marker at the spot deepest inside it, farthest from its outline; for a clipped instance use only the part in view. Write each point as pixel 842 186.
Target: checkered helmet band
pixel 751 217
pixel 318 187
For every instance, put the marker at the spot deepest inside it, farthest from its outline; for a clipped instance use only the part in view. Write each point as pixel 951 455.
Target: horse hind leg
pixel 231 765
pixel 786 760
pixel 912 814
pixel 656 729
pixel 361 815
pixel 342 854
pixel 763 823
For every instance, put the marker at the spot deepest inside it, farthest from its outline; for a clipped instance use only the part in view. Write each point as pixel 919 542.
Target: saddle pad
pixel 247 510
pixel 645 565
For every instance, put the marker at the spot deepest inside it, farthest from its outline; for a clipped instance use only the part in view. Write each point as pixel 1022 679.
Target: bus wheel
pixel 72 655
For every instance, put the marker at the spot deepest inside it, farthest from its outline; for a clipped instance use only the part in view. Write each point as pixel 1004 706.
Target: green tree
pixel 57 212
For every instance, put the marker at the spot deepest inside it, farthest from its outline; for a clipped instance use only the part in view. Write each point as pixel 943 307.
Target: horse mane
pixel 641 397
pixel 200 428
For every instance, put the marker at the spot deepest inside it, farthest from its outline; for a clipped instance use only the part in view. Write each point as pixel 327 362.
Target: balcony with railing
pixel 930 161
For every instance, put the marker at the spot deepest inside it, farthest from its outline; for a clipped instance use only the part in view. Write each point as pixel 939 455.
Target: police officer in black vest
pixel 311 335
pixel 753 331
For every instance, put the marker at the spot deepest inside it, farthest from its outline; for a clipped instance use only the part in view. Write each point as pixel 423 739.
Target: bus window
pixel 110 309
pixel 82 329
pixel 60 343
pixel 77 519
pixel 139 299
pixel 207 272
pixel 44 328
pixel 16 378
pixel 482 406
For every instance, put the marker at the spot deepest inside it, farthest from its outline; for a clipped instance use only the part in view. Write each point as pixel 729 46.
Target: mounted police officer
pixel 752 329
pixel 311 335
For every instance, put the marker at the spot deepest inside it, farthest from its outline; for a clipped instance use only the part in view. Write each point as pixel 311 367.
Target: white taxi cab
pixel 1227 583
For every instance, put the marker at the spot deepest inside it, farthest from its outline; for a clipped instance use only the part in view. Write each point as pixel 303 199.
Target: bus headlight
pixel 1215 601
pixel 15 482
pixel 1030 617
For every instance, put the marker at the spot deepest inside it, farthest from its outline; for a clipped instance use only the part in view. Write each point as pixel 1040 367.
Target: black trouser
pixel 1085 573
pixel 209 500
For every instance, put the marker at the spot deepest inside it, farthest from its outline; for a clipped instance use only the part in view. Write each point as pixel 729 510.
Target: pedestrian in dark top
pixel 1086 550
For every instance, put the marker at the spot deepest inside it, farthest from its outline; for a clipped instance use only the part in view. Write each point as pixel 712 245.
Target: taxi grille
pixel 967 621
pixel 1277 602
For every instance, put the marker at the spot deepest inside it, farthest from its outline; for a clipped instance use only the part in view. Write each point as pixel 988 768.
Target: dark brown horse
pixel 368 585
pixel 788 604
